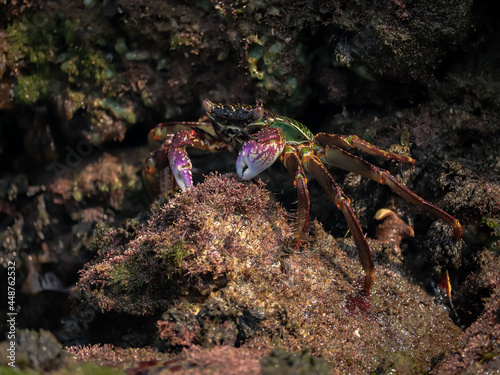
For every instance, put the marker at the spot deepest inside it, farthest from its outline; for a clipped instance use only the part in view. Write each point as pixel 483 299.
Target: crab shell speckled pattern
pixel 257 156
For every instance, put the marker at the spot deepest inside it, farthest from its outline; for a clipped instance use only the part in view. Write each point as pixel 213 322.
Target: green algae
pixel 32 88
pixel 82 368
pixel 492 223
pixel 175 253
pixel 86 64
pixel 44 46
pixel 53 62
pixel 120 110
pixel 281 362
pixel 127 277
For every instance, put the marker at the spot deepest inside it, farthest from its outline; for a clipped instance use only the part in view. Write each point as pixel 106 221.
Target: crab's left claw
pixel 258 155
pixel 180 163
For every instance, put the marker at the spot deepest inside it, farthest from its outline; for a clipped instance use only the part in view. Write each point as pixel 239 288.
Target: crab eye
pixel 208 106
pixel 257 113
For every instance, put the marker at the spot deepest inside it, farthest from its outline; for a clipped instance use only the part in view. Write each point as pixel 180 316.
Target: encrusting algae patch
pixel 214 266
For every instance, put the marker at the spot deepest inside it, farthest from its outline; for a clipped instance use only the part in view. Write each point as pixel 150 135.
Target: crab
pixel 261 137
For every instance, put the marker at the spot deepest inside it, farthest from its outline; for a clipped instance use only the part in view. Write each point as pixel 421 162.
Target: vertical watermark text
pixel 74 158
pixel 11 313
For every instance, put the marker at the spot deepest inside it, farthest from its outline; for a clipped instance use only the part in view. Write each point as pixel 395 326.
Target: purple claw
pixel 180 164
pixel 257 156
pixel 179 161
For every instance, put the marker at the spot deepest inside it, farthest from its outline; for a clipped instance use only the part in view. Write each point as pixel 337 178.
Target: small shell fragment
pixel 392 228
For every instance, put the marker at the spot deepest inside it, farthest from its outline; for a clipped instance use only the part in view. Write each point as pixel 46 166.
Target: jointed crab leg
pixel 353 141
pixel 150 177
pixel 171 160
pixel 291 161
pixel 337 157
pixel 159 133
pixel 314 166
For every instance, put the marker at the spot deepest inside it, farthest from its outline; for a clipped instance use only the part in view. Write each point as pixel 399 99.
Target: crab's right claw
pixel 258 155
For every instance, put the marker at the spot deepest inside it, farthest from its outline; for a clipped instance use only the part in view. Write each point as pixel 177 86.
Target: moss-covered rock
pixel 216 258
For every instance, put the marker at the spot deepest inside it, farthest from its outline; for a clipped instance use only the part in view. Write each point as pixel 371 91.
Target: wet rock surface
pixel 82 83
pixel 478 351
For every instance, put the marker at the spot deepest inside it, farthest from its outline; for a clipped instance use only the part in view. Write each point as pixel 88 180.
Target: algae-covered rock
pixel 217 260
pixel 478 351
pixel 281 362
pixel 102 67
pixel 418 77
pixel 200 235
pixel 39 351
pixel 403 41
pixel 195 360
pixel 47 219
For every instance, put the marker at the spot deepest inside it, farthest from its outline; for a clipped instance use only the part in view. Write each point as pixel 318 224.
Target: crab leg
pixel 291 161
pixel 160 132
pixel 314 166
pixel 150 177
pixel 337 157
pixel 157 177
pixel 353 141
